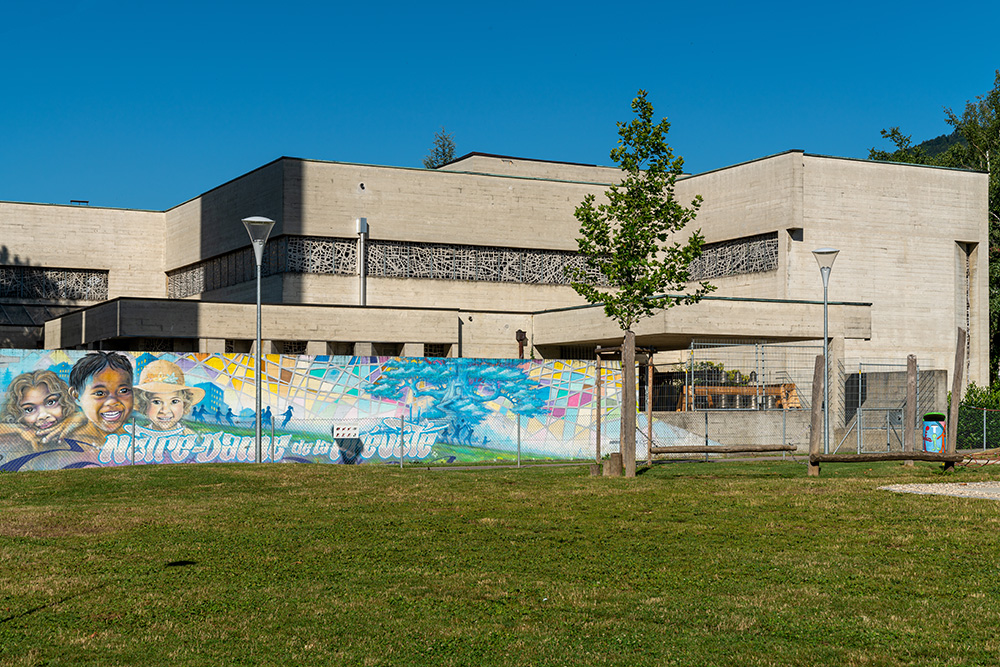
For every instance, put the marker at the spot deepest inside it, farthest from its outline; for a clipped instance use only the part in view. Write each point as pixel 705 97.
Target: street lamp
pixel 259 229
pixel 825 258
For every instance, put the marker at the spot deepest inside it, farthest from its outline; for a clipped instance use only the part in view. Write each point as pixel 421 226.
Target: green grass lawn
pixel 689 564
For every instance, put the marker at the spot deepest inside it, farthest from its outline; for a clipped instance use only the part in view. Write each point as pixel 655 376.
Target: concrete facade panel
pixel 211 224
pixel 126 243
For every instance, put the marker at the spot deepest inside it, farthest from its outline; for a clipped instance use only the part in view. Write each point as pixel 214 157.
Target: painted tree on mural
pixel 630 246
pixel 455 394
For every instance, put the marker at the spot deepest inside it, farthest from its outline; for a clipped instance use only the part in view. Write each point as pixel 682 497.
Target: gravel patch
pixel 987 490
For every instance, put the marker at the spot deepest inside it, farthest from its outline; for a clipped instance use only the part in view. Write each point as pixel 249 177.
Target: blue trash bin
pixel 934 432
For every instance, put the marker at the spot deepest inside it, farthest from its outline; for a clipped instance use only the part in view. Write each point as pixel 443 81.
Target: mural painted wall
pixel 74 409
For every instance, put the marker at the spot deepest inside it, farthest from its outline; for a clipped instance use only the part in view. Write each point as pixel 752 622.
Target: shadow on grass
pixel 696 468
pixel 86 591
pixel 54 603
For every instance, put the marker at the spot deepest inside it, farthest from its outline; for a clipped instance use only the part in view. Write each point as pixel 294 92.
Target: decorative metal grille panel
pixel 30 282
pixel 387 259
pixel 750 254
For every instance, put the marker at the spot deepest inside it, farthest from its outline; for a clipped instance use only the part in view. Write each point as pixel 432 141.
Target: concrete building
pixel 461 258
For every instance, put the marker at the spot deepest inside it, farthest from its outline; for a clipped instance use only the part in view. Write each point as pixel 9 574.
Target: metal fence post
pixel 706 433
pixel 784 417
pixel 984 429
pixel 519 440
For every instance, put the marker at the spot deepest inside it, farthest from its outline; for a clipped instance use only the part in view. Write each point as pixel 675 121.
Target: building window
pixel 238 346
pixel 436 350
pixel 290 347
pixel 580 352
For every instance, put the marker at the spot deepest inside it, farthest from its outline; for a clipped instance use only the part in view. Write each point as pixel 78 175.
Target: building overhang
pixel 730 318
pixel 168 318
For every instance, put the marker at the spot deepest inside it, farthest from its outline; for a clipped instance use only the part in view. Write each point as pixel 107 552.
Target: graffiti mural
pixel 75 409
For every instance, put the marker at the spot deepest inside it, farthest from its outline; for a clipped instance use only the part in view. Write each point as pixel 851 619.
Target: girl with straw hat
pixel 163 398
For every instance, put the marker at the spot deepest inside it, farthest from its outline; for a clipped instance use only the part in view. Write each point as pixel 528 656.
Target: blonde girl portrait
pixel 163 398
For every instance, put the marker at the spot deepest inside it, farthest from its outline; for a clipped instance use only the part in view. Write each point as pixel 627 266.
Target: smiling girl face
pixel 107 399
pixel 165 409
pixel 40 408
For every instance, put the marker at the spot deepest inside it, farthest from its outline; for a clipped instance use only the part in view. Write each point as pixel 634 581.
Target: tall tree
pixel 442 152
pixel 631 247
pixel 978 125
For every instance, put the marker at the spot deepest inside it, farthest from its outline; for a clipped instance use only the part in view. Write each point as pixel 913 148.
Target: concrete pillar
pixel 413 350
pixel 836 391
pixel 212 345
pixel 364 350
pixel 316 348
pixel 266 346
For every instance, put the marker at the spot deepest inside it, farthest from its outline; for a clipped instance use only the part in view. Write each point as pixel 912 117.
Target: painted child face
pixel 107 399
pixel 165 409
pixel 40 408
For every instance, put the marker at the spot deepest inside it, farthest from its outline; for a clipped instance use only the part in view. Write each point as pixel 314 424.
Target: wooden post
pixel 613 465
pixel 649 411
pixel 597 447
pixel 956 394
pixel 910 414
pixel 628 410
pixel 816 426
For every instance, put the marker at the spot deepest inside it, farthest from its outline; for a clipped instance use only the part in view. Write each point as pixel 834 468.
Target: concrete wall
pixel 211 224
pixel 730 427
pixel 896 227
pixel 437 206
pixel 513 166
pixel 126 243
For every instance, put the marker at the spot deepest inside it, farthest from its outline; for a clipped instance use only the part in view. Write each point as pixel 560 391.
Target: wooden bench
pixel 721 449
pixel 949 460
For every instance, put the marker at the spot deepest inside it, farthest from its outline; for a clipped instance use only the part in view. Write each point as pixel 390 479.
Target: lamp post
pixel 259 229
pixel 825 258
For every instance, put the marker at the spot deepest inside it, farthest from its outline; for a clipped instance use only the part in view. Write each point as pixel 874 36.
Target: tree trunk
pixel 627 438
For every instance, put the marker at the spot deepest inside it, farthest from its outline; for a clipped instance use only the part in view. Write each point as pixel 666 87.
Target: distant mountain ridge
pixel 938 145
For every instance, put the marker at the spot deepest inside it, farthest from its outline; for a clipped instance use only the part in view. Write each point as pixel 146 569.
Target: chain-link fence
pixel 978 428
pixel 731 393
pixel 732 428
pixel 496 438
pixel 747 376
pixel 870 414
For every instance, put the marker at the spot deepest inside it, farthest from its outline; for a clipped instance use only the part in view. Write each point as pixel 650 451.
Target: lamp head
pixel 825 257
pixel 258 227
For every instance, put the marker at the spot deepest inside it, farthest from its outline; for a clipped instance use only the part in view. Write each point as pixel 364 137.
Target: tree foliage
pixel 442 152
pixel 630 247
pixel 978 126
pixel 632 258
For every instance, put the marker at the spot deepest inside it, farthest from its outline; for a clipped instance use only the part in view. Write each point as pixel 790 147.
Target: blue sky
pixel 145 105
